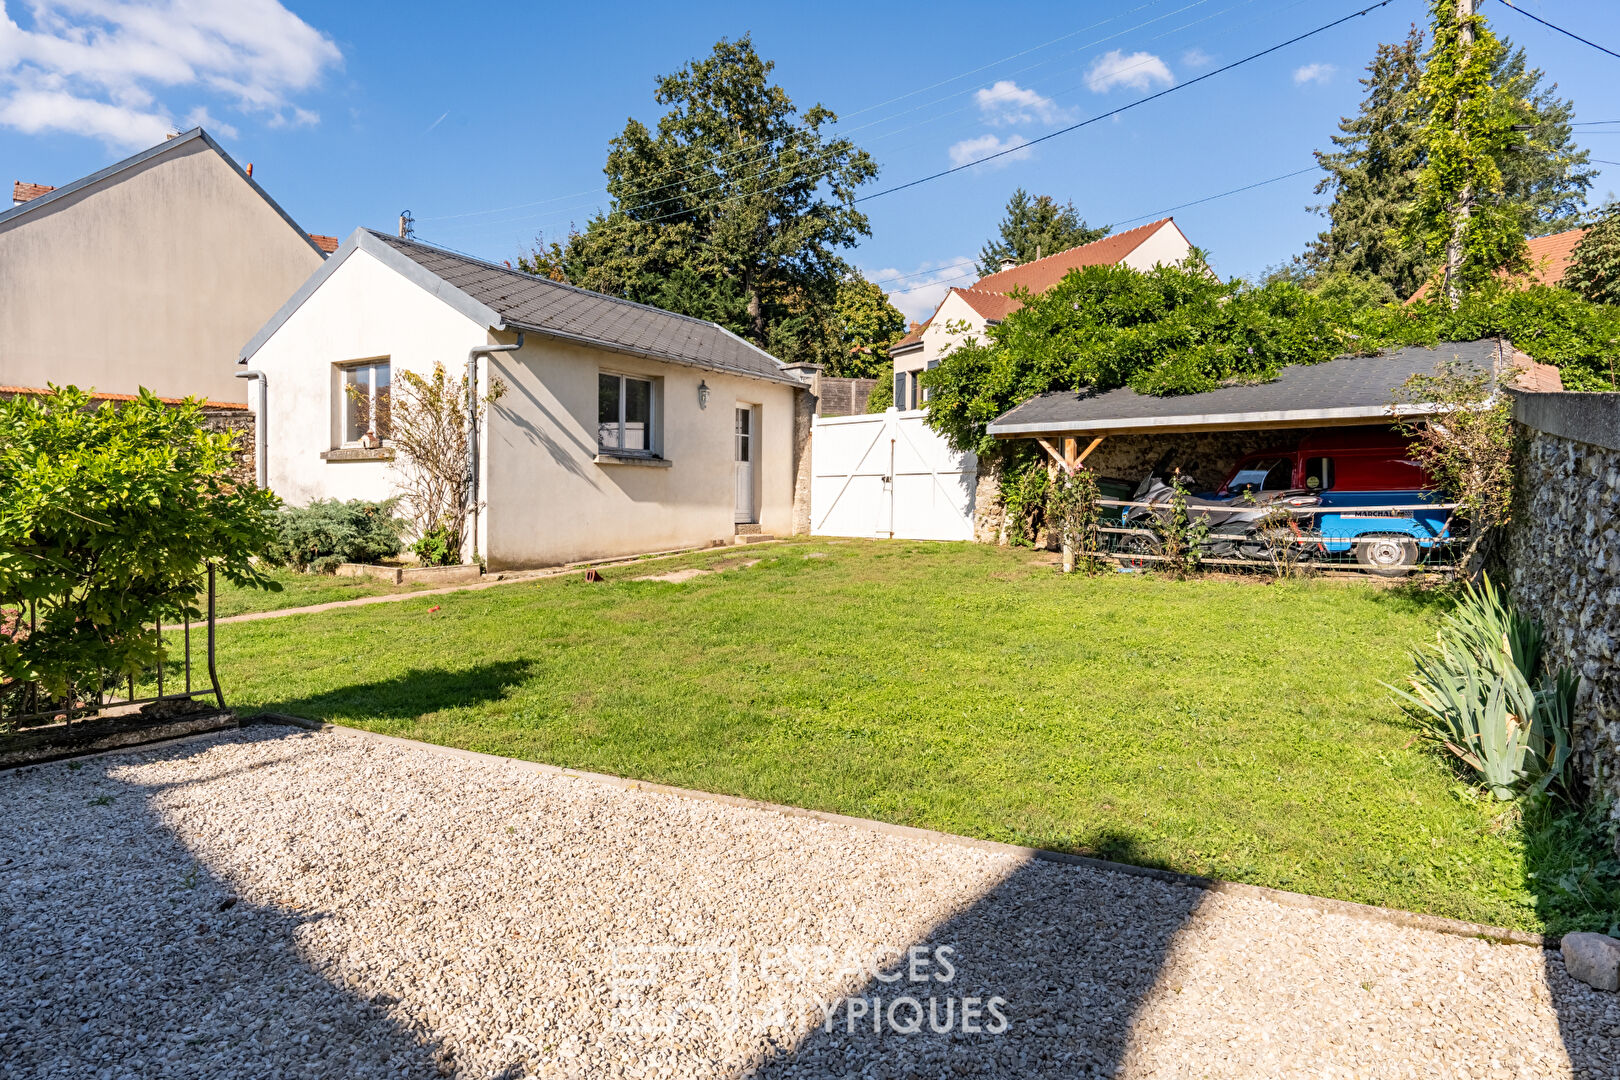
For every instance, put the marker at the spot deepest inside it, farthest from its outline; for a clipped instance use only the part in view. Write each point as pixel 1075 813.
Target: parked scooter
pixel 1237 523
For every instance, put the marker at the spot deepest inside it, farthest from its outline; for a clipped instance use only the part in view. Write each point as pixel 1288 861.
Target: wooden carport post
pixel 1067 455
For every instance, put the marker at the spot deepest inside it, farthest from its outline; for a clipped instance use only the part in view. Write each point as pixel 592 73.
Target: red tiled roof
pixel 22 191
pixel 1042 274
pixel 39 391
pixel 993 306
pixel 1548 257
pixel 327 244
pixel 913 336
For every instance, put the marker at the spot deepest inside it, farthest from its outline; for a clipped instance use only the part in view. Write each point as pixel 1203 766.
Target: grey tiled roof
pixel 1345 387
pixel 526 302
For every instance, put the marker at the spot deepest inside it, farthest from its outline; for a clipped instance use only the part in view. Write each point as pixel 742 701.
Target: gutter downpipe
pixel 472 427
pixel 261 468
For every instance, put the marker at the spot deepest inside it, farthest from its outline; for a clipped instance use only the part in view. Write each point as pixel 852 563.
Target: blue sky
pixel 490 122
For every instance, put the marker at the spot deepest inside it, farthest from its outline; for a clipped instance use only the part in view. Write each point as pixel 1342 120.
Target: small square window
pixel 624 421
pixel 366 401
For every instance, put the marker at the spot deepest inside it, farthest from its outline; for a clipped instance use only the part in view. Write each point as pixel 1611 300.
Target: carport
pixel 1347 392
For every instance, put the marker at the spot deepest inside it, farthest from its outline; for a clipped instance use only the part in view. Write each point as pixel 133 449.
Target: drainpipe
pixel 261 468
pixel 472 426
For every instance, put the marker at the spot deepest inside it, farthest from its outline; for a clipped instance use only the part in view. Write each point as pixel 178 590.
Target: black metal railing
pixel 28 704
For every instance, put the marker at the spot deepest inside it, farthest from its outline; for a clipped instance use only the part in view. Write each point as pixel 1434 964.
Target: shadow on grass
pixel 126 955
pixel 407 696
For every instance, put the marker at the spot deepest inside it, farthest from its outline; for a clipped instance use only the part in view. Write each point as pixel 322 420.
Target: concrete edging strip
pixel 508 577
pixel 1324 905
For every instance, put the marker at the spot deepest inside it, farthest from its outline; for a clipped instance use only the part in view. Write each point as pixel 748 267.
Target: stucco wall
pixel 546 500
pixel 1165 247
pixel 155 280
pixel 1563 559
pixel 549 502
pixel 363 311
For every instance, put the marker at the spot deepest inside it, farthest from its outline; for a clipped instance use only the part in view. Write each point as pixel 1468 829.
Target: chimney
pixel 22 191
pixel 250 170
pixel 1008 263
pixel 915 326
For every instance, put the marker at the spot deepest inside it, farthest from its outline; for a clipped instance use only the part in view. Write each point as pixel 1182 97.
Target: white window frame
pixel 655 403
pixel 342 374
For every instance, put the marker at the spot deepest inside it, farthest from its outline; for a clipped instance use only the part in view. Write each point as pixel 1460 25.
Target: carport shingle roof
pixel 526 302
pixel 1337 390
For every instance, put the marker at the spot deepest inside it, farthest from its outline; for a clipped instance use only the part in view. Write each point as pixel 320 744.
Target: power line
pixel 1222 195
pixel 866 109
pixel 763 152
pixel 1129 105
pixel 1052 135
pixel 1561 30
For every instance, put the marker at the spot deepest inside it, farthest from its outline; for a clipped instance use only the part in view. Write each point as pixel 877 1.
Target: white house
pixel 622 429
pixel 970 311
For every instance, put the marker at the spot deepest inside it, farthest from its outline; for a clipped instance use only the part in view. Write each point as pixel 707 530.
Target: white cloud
pixel 201 117
pixel 1008 103
pixel 1138 70
pixel 102 67
pixel 1316 73
pixel 918 291
pixel 1196 57
pixel 973 149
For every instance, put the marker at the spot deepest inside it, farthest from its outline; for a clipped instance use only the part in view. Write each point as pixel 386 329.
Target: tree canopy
pixel 1373 170
pixel 1594 268
pixel 866 325
pixel 734 209
pixel 1035 227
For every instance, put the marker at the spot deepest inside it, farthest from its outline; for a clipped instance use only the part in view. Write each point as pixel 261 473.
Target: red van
pixel 1332 461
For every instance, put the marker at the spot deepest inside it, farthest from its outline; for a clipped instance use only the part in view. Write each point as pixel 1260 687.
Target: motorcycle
pixel 1241 526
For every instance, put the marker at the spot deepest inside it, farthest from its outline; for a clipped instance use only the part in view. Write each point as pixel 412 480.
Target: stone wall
pixel 1562 558
pixel 238 421
pixel 804 407
pixel 842 397
pixel 216 417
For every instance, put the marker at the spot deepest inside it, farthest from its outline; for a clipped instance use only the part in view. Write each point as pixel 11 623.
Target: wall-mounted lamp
pixel 703 394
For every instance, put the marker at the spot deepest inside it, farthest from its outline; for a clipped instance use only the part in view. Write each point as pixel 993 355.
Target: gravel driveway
pixel 265 903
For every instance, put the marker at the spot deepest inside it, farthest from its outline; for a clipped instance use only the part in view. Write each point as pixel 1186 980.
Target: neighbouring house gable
pixel 148 273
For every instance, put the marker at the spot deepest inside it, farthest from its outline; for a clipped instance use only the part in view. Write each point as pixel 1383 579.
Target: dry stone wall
pixel 1562 559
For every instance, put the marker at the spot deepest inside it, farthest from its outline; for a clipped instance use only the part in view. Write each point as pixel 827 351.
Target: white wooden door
pixel 889 475
pixel 746 451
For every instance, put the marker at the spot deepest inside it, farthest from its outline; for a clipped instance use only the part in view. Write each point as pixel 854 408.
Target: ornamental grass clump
pixel 1473 694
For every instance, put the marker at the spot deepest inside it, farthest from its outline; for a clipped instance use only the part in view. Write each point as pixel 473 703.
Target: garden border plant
pixel 111 516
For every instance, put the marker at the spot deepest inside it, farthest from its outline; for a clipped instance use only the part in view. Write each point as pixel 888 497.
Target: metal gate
pixel 889 475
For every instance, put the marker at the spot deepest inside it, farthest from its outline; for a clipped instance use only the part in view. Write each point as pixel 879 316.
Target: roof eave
pixel 166 147
pixel 784 379
pixel 413 271
pixel 1155 425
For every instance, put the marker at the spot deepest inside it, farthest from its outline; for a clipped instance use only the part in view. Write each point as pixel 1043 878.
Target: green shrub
pixel 435 548
pixel 1473 694
pixel 325 533
pixel 882 394
pixel 110 516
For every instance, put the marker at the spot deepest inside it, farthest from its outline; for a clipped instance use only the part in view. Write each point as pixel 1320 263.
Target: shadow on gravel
pixel 1071 957
pixel 406 697
pixel 122 955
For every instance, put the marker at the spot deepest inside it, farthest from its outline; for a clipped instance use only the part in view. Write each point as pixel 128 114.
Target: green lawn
pixel 300 590
pixel 1232 729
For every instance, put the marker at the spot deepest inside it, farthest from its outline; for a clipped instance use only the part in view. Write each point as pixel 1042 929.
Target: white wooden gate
pixel 889 475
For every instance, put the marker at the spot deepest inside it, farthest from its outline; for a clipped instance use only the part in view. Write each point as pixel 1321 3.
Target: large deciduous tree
pixel 734 208
pixel 1036 227
pixel 1372 172
pixel 1460 215
pixel 1594 268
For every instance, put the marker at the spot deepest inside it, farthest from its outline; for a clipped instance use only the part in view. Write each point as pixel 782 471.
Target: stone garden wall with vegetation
pixel 1563 559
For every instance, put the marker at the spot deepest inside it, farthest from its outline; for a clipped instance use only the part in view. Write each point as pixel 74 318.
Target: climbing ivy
pixel 1180 330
